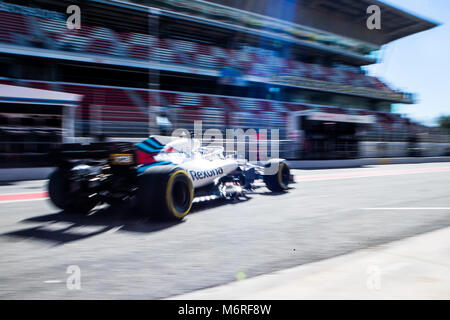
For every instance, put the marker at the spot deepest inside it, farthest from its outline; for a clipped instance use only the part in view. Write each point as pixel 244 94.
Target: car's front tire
pixel 277 175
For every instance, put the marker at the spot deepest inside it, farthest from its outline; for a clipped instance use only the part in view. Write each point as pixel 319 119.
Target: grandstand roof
pixel 396 23
pixel 337 15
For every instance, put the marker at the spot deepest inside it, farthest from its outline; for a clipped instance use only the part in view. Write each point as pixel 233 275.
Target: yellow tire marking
pixel 169 199
pixel 280 176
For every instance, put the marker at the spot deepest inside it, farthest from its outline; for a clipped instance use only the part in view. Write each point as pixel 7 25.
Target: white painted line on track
pixel 409 208
pixel 22 200
pixel 53 281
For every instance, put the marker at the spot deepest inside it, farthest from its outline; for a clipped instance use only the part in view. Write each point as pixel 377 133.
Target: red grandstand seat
pixel 139 51
pixel 100 46
pixel 212 113
pixel 104 103
pixel 187 50
pixel 191 104
pixel 52 28
pixel 137 45
pixel 230 103
pixel 74 40
pixel 296 107
pixel 12 25
pixel 38 85
pixel 7 82
pixel 150 98
pixel 169 97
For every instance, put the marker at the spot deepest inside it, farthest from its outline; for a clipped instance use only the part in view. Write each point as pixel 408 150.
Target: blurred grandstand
pixel 291 65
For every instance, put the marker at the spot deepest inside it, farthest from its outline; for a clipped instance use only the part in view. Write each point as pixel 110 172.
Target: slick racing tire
pixel 59 194
pixel 279 180
pixel 165 193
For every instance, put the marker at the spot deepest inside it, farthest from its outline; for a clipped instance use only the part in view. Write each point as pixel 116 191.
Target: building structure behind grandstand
pixel 291 65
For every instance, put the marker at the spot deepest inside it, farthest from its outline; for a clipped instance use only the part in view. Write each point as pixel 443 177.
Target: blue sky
pixel 420 63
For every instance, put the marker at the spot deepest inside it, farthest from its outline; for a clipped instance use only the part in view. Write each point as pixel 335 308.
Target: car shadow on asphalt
pixel 211 204
pixel 6 183
pixel 61 228
pixel 275 193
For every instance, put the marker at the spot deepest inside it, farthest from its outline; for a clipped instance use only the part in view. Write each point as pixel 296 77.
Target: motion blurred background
pixel 136 68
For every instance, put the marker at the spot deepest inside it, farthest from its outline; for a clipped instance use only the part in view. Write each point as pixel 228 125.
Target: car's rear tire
pixel 278 181
pixel 165 192
pixel 59 194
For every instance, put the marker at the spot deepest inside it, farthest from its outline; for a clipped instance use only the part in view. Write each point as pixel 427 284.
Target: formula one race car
pixel 160 176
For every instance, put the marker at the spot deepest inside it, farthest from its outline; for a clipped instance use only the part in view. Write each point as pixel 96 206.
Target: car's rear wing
pixel 92 151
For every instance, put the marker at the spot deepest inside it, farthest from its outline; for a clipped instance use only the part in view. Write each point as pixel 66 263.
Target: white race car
pixel 159 176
